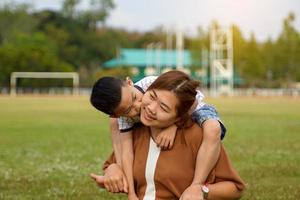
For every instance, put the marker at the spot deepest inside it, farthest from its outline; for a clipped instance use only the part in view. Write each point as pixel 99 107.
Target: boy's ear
pixel 129 81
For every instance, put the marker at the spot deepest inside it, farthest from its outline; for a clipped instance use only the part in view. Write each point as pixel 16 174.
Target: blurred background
pixel 246 53
pixel 225 44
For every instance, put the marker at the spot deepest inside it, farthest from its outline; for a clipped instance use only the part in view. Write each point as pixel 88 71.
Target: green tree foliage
pixel 199 47
pixel 23 47
pixel 239 49
pixel 73 39
pixel 14 19
pixel 253 68
pixel 30 53
pixel 287 52
pixel 98 13
pixel 269 61
pixel 273 63
pixel 68 8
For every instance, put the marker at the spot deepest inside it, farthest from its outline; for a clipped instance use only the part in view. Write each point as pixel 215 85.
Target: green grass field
pixel 49 145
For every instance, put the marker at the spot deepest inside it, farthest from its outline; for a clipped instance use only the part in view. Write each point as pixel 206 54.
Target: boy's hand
pixel 165 139
pixel 193 192
pixel 132 197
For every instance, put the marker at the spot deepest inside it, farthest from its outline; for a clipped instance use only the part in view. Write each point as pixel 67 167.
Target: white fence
pixel 46 91
pixel 266 92
pixel 87 91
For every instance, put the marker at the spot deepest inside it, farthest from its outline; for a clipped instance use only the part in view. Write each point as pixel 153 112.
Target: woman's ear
pixel 129 81
pixel 183 120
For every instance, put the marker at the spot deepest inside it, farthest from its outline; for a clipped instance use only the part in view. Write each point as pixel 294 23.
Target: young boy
pixel 122 99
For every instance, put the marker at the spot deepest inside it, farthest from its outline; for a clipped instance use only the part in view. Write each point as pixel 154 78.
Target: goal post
pixel 64 75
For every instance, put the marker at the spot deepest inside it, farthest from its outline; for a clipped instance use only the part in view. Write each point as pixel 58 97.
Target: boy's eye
pixel 127 111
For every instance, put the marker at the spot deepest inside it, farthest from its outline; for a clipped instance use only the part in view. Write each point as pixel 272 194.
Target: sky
pixel 262 17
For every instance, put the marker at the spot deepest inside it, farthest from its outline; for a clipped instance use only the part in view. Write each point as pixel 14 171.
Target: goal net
pixel 48 75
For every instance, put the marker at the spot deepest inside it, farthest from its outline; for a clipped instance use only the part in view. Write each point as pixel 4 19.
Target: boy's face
pixel 131 99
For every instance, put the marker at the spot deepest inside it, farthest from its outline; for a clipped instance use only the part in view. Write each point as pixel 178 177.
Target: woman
pixel 167 174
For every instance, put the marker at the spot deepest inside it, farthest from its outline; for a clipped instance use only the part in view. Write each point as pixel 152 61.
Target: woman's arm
pixel 225 190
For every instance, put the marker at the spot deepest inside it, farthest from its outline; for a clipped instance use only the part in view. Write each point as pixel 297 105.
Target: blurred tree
pixel 30 53
pixel 97 13
pixel 68 8
pixel 199 46
pixel 14 19
pixel 72 39
pixel 288 52
pixel 269 62
pixel 252 69
pixel 239 49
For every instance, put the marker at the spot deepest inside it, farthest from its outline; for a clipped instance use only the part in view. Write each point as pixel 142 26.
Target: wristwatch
pixel 205 191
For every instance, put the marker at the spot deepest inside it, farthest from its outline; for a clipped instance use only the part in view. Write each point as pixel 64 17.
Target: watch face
pixel 205 189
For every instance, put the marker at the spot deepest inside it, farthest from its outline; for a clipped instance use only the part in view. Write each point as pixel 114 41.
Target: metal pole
pixel 13 81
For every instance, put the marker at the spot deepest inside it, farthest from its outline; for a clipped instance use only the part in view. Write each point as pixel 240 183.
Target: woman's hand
pixel 99 179
pixel 114 179
pixel 193 192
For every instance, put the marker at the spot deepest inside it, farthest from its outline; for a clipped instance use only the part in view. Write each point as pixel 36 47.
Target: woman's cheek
pixel 161 117
pixel 169 118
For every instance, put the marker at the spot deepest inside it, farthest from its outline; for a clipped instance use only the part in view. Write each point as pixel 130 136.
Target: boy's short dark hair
pixel 106 94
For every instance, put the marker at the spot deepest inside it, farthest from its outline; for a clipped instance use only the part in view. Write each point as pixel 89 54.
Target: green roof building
pixel 152 62
pixel 145 62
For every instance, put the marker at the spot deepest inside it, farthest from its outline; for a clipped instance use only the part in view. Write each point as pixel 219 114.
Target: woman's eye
pixel 163 109
pixel 151 96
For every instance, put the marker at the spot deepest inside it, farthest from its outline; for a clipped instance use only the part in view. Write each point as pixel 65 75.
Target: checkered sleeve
pixel 125 124
pixel 208 112
pixel 199 99
pixel 144 83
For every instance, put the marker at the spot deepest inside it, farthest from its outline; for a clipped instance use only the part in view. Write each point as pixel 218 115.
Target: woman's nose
pixel 151 108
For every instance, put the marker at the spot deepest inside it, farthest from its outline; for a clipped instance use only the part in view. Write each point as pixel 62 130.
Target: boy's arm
pixel 165 139
pixel 209 150
pixel 207 117
pixel 116 140
pixel 207 157
pixel 127 162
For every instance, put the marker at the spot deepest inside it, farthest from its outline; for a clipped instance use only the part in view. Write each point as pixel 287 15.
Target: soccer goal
pixel 69 75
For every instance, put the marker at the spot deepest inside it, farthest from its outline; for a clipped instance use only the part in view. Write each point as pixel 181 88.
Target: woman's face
pixel 159 108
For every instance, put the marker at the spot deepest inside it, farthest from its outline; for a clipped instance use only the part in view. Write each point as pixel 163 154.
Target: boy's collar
pixel 139 88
